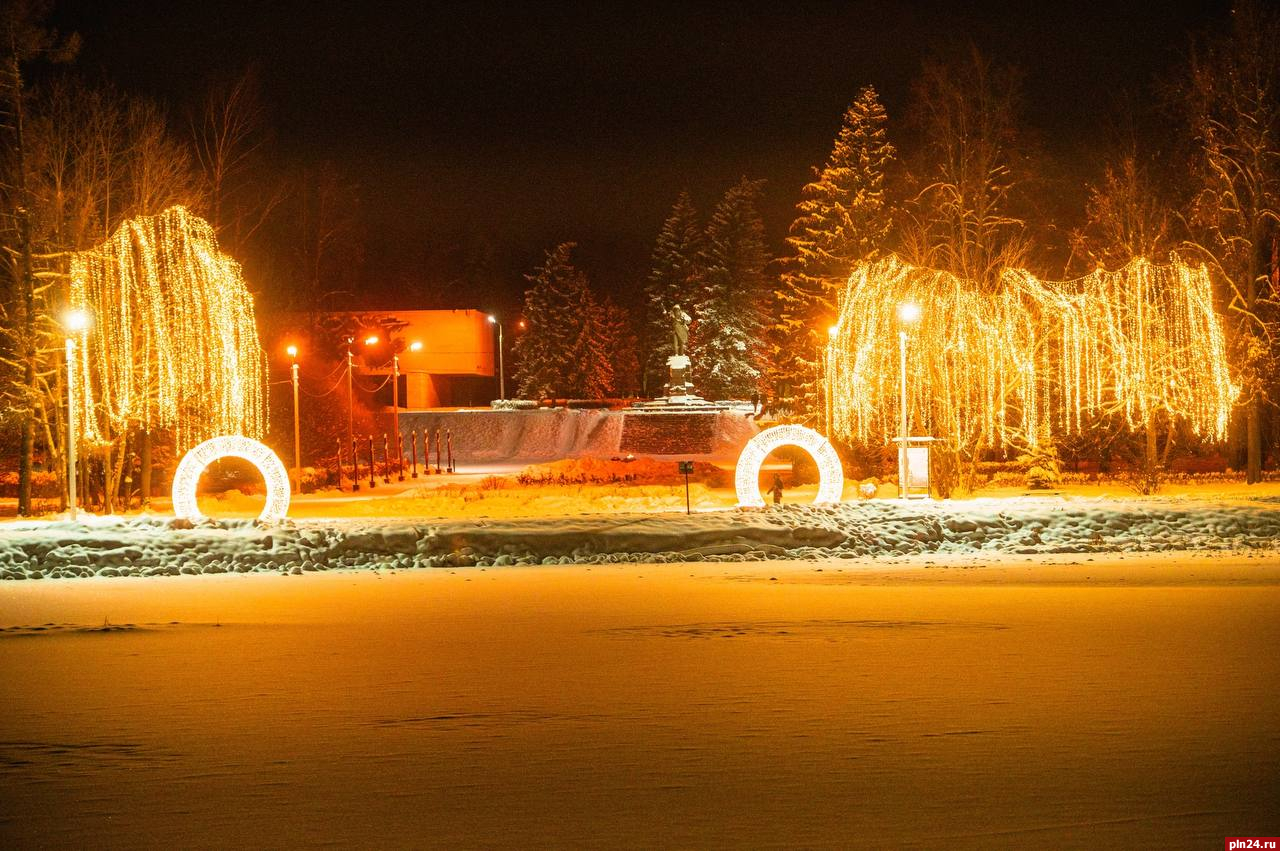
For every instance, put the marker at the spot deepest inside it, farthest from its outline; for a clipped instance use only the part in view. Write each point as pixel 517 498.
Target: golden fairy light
pixel 1034 359
pixel 175 344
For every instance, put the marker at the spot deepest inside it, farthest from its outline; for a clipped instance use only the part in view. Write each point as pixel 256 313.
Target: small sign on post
pixel 686 467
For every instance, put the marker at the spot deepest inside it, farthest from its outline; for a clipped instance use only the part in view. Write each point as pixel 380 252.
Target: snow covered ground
pixel 151 546
pixel 1101 701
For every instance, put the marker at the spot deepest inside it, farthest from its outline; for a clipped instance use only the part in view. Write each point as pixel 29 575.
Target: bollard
pixel 372 472
pixel 386 462
pixel 448 439
pixel 338 458
pixel 438 470
pixel 413 445
pixel 355 467
pixel 400 456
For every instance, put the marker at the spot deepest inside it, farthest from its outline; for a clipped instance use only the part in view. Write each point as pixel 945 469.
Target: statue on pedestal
pixel 679 385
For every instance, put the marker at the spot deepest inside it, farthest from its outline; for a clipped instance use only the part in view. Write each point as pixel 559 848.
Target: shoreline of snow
pixel 151 546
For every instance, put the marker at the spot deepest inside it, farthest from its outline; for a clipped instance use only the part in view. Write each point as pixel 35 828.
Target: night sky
pixel 523 128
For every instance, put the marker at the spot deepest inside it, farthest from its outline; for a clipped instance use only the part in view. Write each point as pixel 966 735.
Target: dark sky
pixel 579 121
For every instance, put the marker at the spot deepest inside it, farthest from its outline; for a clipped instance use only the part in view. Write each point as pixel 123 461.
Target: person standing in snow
pixel 776 490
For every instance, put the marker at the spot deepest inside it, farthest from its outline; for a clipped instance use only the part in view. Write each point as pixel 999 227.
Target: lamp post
pixel 76 322
pixel 415 346
pixel 297 447
pixel 908 316
pixel 395 414
pixel 831 379
pixel 502 372
pixel 351 437
pixel 373 340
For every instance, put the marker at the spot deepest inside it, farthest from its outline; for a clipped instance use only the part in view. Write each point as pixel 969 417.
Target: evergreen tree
pixel 726 342
pixel 564 352
pixel 675 278
pixel 591 370
pixel 842 218
pixel 624 358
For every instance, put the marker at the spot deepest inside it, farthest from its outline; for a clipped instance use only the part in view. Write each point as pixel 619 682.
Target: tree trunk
pixel 1253 413
pixel 112 470
pixel 1253 432
pixel 1153 447
pixel 26 348
pixel 144 486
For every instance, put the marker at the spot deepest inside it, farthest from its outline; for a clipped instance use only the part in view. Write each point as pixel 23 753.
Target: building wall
pixel 454 366
pixel 458 346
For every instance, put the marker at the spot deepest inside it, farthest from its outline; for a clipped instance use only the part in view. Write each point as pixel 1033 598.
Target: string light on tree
pixel 1034 360
pixel 177 344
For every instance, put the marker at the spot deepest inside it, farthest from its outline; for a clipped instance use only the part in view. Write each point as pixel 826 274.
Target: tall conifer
pixel 675 278
pixel 843 217
pixel 564 352
pixel 726 342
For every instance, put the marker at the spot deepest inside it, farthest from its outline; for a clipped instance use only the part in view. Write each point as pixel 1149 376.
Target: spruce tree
pixel 726 341
pixel 624 359
pixel 843 217
pixel 675 278
pixel 564 352
pixel 590 373
pixel 553 318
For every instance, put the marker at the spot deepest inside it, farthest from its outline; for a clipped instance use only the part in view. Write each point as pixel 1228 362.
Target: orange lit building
pixel 447 357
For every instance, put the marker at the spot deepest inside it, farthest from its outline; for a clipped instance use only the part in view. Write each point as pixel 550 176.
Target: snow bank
pixel 161 546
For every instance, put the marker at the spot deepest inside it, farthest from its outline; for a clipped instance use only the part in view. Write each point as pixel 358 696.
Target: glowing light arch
pixel 830 470
pixel 232 446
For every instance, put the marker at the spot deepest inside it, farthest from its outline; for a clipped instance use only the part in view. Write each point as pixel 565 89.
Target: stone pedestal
pixel 679 386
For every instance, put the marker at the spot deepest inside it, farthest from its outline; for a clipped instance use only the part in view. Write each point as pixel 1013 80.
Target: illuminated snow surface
pixel 150 546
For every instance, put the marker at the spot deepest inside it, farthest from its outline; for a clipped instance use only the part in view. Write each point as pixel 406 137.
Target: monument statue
pixel 679 330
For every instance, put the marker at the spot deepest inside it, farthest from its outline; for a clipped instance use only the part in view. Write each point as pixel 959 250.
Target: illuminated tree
pixel 726 342
pixel 174 343
pixel 1032 360
pixel 843 217
pixel 1127 216
pixel 98 157
pixel 1233 104
pixel 675 278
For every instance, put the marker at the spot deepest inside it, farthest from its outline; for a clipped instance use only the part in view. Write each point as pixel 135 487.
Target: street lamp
pixel 395 415
pixel 297 447
pixel 502 372
pixel 373 340
pixel 908 316
pixel 831 379
pixel 351 438
pixel 76 322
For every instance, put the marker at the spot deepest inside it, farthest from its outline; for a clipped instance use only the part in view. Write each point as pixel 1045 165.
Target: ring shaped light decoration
pixel 830 471
pixel 193 464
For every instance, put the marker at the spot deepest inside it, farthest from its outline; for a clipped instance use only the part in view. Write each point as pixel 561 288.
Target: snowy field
pixel 1068 701
pixel 149 546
